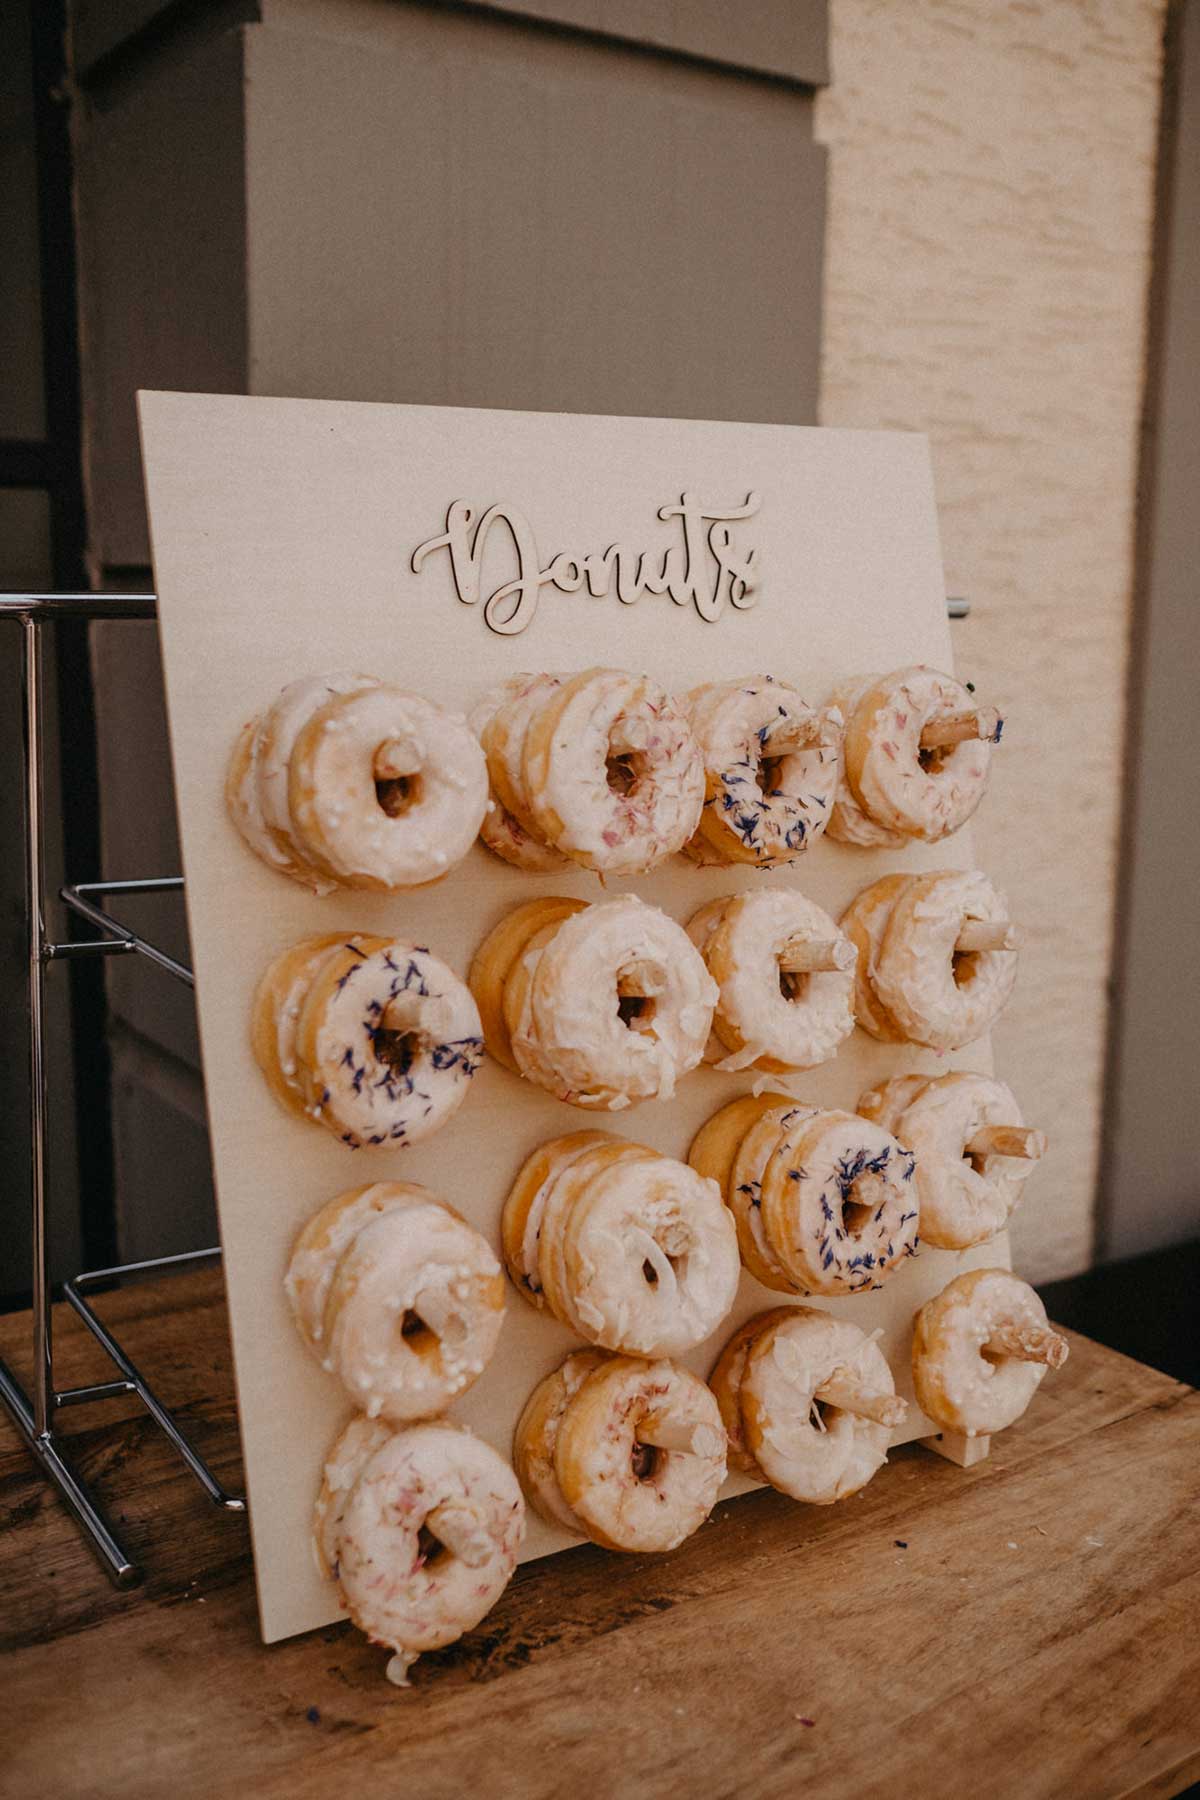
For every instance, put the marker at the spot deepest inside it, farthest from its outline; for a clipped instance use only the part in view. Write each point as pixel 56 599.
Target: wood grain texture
pixel 1036 1613
pixel 988 255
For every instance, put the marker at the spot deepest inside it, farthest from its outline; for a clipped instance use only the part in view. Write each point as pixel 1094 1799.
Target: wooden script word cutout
pixel 295 537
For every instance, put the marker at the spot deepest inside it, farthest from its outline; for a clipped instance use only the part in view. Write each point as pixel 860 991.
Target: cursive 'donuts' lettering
pixel 701 568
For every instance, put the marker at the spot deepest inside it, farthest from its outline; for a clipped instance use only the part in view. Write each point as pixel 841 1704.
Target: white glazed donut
pixel 631 1249
pixel 771 766
pixel 492 719
pixel 936 995
pixel 899 785
pixel 274 741
pixel 420 1528
pixel 848 823
pixel 386 790
pixel 768 1019
pixel 599 1436
pixel 965 1196
pixel 609 1006
pixel 839 1206
pixel 824 1202
pixel 980 1349
pixel 611 772
pixel 788 1384
pixel 375 1039
pixel 397 1296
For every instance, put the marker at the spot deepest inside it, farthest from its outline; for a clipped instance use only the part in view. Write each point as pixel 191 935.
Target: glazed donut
pixel 808 1403
pixel 256 788
pixel 773 1012
pixel 611 773
pixel 601 1005
pixel 771 766
pixel 824 1202
pixel 627 1452
pixel 373 1038
pixel 386 790
pixel 492 720
pixel 848 823
pixel 917 752
pixel 973 1151
pixel 940 992
pixel 980 1349
pixel 628 1248
pixel 397 1296
pixel 864 922
pixel 420 1528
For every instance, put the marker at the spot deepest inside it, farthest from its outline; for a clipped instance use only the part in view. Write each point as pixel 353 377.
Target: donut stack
pixel 374 1038
pixel 629 1249
pixel 936 957
pixel 603 1006
pixel 598 769
pixel 808 1403
pixel 347 782
pixel 771 770
pixel 915 758
pixel 626 1452
pixel 824 1202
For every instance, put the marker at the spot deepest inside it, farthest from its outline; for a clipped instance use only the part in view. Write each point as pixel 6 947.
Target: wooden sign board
pixel 284 534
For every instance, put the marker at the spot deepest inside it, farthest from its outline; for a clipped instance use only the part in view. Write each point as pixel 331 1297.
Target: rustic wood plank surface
pixel 1023 1628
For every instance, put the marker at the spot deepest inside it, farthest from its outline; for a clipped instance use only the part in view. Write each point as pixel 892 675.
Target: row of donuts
pixel 347 781
pixel 402 1300
pixel 606 1005
pixel 420 1524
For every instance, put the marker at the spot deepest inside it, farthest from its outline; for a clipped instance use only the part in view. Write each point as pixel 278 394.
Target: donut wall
pixel 449 553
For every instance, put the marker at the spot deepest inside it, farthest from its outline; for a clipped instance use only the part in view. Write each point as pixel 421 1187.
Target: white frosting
pixel 848 823
pixel 937 998
pixel 336 813
pixel 603 714
pixel 763 1026
pixel 814 1457
pixel 370 1538
pixel 822 1167
pixel 961 1205
pixel 502 831
pixel 571 1037
pixel 744 1198
pixel 595 1448
pixel 883 762
pixel 739 725
pixel 360 1096
pixel 956 1384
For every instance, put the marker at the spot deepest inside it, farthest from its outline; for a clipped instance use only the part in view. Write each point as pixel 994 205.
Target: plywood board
pixel 283 533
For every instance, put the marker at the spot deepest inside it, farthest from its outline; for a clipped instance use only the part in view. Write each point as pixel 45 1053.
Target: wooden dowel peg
pixel 958 728
pixel 396 758
pixel 1029 1343
pixel 986 934
pixel 640 981
pixel 692 1439
pixel 1008 1140
pixel 462 1533
pixel 846 1390
pixel 811 956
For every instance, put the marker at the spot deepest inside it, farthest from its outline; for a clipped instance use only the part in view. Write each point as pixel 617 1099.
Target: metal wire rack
pixel 34 1412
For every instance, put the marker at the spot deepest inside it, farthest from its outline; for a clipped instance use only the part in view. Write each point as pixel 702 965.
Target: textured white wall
pixel 988 254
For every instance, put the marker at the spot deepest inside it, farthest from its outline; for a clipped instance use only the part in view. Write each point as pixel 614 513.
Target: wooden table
pixel 1025 1628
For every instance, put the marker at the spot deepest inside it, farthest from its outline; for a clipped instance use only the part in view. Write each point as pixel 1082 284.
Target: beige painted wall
pixel 990 210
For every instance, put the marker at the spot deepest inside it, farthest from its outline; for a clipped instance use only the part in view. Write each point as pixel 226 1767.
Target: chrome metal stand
pixel 34 1413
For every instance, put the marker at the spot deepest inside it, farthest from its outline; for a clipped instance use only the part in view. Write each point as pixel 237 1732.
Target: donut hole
pixel 856 1217
pixel 397 1049
pixel 964 967
pixel 635 1010
pixel 769 775
pixel 933 758
pixel 622 771
pixel 430 1548
pixel 420 1337
pixel 644 1460
pixel 794 983
pixel 398 794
